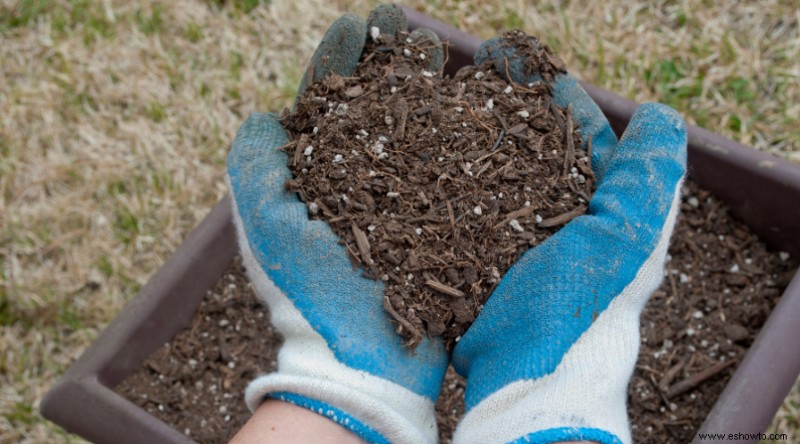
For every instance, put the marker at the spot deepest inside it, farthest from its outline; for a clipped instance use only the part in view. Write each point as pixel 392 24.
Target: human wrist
pixel 278 421
pixel 373 408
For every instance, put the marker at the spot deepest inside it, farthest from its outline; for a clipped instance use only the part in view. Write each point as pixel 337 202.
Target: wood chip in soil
pixel 437 185
pixel 721 284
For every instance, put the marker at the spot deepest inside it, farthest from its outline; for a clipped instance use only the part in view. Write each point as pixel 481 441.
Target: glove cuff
pixel 564 434
pixel 374 409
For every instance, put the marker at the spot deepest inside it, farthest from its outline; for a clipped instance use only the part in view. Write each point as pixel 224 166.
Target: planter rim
pixel 83 401
pixel 752 183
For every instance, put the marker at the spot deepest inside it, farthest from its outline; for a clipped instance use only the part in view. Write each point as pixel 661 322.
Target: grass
pixel 150 22
pixel 117 117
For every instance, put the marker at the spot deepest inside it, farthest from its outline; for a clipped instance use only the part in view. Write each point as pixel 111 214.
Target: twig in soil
pixel 483 168
pixel 515 84
pixel 451 216
pixel 569 153
pixel 517 129
pixel 450 201
pixel 516 214
pixel 369 57
pixel 697 379
pixel 699 254
pixel 563 218
pixel 400 132
pixel 363 244
pixel 499 140
pixel 416 336
pixel 484 157
pixel 442 288
pixel 467 107
pixel 500 119
pixel 540 144
pixel 557 115
pixel 670 375
pixel 673 285
pixel 372 91
pixel 646 369
pixel 325 210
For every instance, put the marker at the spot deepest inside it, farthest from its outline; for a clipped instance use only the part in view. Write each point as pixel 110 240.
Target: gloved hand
pixel 550 356
pixel 341 356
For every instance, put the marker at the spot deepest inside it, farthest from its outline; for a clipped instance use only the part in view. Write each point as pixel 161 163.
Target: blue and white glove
pixel 341 356
pixel 550 356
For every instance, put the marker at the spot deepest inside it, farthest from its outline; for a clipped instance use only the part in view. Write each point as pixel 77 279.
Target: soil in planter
pixel 437 185
pixel 196 382
pixel 721 284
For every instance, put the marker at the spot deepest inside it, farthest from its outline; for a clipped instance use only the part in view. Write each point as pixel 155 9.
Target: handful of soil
pixel 436 185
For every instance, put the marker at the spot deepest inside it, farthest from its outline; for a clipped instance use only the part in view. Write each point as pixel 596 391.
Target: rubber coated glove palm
pixel 341 356
pixel 550 356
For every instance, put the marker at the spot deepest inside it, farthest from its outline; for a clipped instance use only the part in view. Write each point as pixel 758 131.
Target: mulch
pixel 721 284
pixel 437 185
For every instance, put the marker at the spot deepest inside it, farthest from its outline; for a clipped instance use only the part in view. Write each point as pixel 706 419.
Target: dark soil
pixel 196 382
pixel 721 284
pixel 437 185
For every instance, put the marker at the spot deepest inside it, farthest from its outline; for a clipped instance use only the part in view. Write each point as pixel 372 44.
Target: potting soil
pixel 721 284
pixel 437 185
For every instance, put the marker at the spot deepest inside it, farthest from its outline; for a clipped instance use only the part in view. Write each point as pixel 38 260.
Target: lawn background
pixel 116 117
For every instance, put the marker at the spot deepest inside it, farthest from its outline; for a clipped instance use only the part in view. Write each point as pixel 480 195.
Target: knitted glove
pixel 550 356
pixel 341 356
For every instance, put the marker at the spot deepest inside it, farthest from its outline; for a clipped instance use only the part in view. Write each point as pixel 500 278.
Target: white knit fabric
pixel 307 367
pixel 588 388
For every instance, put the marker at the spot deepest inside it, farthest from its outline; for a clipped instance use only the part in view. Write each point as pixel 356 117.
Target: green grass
pixel 193 32
pixel 70 317
pixel 509 19
pixel 90 17
pixel 117 188
pixel 127 225
pixel 65 17
pixel 75 101
pixel 150 22
pixel 22 414
pixel 7 317
pixel 237 62
pixel 105 266
pixel 245 6
pixel 156 111
pixel 24 13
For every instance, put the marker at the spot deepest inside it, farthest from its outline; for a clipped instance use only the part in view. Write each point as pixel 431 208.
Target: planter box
pixel 761 190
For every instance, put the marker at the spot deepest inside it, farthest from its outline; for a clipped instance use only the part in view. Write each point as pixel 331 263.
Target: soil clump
pixel 437 185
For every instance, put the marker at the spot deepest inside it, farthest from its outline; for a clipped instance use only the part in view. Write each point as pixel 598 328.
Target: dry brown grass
pixel 116 116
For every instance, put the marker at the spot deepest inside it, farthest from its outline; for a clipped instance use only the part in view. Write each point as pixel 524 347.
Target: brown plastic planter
pixel 761 190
